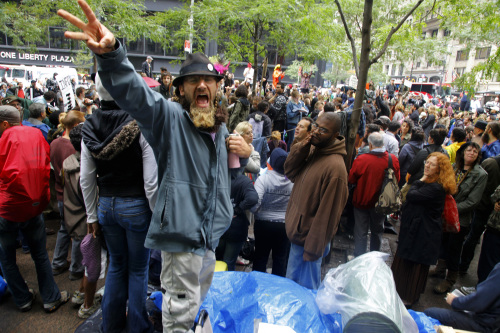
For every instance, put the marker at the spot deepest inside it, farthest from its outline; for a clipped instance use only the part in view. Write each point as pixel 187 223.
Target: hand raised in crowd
pixel 237 144
pixel 97 37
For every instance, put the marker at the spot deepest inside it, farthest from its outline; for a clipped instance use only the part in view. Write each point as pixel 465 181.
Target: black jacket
pixel 243 197
pixel 416 169
pixel 266 126
pixel 421 224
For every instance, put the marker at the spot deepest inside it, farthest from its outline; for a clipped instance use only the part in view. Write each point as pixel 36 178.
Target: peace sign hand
pixel 98 38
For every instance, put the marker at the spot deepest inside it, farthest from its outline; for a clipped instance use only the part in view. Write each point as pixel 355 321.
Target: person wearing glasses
pixel 316 167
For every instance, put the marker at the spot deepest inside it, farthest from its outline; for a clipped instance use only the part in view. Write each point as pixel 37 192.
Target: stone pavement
pixel 65 319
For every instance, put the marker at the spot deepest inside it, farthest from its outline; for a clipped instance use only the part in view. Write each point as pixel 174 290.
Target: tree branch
pixel 357 22
pixel 237 47
pixel 393 31
pixel 430 11
pixel 348 33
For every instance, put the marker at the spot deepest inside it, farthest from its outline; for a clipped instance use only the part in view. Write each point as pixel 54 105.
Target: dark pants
pixel 271 236
pixel 451 248
pixel 279 125
pixel 457 319
pixel 490 254
pixel 476 230
pixel 228 251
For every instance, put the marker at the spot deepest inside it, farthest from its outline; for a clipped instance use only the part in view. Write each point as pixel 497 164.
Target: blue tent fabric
pixel 425 324
pixel 235 299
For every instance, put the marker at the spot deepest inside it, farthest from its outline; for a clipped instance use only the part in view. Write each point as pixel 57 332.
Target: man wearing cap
pixel 33 91
pixel 23 153
pixel 191 146
pixel 147 68
pixel 479 128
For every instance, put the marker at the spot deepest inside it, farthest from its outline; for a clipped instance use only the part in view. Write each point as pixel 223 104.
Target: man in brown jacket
pixel 318 197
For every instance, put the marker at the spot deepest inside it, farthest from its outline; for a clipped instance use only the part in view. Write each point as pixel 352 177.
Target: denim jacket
pixel 193 208
pixel 293 113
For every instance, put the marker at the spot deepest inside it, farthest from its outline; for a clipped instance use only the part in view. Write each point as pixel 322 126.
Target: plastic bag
pixel 425 324
pixel 236 299
pixel 363 292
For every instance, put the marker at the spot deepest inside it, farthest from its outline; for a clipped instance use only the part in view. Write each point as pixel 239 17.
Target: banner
pixel 66 89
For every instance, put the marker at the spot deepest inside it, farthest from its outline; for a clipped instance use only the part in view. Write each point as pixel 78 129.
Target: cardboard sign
pixel 66 88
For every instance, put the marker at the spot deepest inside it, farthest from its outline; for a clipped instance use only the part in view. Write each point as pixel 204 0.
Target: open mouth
pixel 202 100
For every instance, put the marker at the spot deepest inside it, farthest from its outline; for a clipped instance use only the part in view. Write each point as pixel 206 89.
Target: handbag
pixel 451 222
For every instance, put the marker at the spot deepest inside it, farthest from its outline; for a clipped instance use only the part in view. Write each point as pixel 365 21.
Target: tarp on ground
pixel 236 299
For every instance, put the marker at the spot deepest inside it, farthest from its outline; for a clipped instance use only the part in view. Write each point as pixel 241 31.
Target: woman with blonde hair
pixel 399 113
pixel 421 227
pixel 275 142
pixel 245 130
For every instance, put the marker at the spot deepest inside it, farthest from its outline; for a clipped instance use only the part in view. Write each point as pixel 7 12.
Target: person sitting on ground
pixel 458 136
pixel 273 190
pixel 478 312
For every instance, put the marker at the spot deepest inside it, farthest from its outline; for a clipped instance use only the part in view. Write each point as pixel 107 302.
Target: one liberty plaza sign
pixel 45 57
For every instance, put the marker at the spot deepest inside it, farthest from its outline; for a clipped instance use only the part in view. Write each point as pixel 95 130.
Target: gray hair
pixel 376 140
pixel 36 110
pixel 10 114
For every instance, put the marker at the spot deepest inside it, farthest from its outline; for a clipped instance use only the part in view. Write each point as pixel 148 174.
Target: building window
pixel 459 70
pixel 136 46
pixel 418 64
pixel 423 35
pixel 401 69
pixel 434 33
pixel 153 48
pixel 393 71
pixel 57 40
pixel 483 53
pixel 446 32
pixel 387 68
pixel 462 55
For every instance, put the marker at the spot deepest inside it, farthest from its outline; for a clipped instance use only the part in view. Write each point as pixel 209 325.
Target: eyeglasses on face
pixel 321 130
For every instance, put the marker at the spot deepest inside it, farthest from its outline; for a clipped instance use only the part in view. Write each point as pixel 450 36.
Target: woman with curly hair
pixel 421 227
pixel 471 180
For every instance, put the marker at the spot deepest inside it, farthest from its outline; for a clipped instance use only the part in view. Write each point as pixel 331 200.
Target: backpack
pixel 257 125
pixel 389 200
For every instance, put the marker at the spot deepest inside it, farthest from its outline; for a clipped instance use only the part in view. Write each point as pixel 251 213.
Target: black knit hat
pixel 196 64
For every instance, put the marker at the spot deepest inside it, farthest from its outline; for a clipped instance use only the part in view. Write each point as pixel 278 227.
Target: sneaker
pixel 73 276
pixel 26 307
pixel 78 298
pixel 100 293
pixel 467 290
pixel 241 261
pixel 52 307
pixel 85 313
pixel 60 270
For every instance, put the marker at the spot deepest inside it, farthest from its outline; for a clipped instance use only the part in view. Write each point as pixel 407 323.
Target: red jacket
pixel 24 173
pixel 367 173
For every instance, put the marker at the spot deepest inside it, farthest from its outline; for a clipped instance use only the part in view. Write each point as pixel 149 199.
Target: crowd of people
pixel 168 180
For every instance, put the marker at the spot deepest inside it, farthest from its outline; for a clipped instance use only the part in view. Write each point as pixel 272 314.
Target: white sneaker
pixel 85 313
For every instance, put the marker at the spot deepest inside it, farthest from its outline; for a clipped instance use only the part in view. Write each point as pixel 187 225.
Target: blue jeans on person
pixel 125 222
pixel 62 247
pixel 305 273
pixel 456 319
pixel 290 132
pixel 228 251
pixel 33 232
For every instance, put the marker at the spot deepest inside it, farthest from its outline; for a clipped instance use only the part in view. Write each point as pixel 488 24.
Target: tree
pixel 372 30
pixel 27 22
pixel 244 30
pixel 303 66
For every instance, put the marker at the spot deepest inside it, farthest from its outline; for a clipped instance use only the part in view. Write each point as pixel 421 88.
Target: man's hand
pixel 93 228
pixel 98 38
pixel 449 298
pixel 236 144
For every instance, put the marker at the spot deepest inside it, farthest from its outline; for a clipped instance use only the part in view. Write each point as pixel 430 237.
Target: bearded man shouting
pixel 191 145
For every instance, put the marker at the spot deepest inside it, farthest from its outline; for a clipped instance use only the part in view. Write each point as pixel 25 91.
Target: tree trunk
pixel 364 67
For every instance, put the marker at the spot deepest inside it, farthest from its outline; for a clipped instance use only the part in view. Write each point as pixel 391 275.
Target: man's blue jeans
pixel 33 232
pixel 228 251
pixel 457 319
pixel 62 247
pixel 305 273
pixel 125 222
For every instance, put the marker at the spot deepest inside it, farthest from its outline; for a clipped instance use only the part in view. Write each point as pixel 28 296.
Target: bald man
pixel 24 152
pixel 316 167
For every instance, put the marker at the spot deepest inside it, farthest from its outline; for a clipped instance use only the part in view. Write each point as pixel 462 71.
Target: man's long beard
pixel 203 118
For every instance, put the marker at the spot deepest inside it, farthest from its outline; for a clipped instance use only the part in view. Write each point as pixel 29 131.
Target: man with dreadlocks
pixel 191 146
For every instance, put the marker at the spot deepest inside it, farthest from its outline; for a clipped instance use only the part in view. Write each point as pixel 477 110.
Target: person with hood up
pixel 118 181
pixel 261 123
pixel 317 169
